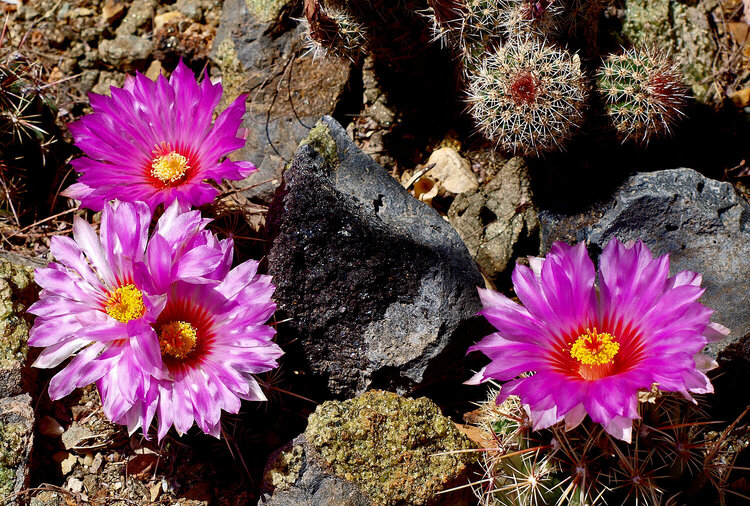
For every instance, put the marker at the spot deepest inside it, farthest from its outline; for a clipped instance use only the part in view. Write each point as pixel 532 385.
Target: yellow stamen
pixel 177 339
pixel 170 168
pixel 593 348
pixel 125 304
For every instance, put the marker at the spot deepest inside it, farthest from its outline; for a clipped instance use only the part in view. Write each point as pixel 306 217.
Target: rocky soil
pixel 378 223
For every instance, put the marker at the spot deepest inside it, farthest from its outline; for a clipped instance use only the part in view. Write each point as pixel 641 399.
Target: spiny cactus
pixel 447 18
pixel 541 18
pixel 332 30
pixel 528 97
pixel 672 449
pixel 27 127
pixel 481 31
pixel 643 92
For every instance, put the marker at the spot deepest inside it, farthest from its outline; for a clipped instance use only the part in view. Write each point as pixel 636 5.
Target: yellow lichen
pixel 397 450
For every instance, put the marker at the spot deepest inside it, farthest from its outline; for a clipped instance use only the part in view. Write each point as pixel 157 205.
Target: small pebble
pixel 75 485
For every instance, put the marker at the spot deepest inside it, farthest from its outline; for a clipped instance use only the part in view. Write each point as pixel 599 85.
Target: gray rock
pixel 260 55
pixel 139 16
pixel 192 9
pixel 16 438
pixel 126 53
pixel 700 222
pixel 498 222
pixel 298 476
pixel 376 283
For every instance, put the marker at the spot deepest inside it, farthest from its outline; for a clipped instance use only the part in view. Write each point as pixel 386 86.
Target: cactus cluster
pixel 526 93
pixel 27 126
pixel 529 96
pixel 673 449
pixel 643 93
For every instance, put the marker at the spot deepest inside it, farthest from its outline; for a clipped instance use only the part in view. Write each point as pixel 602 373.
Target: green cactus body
pixel 541 18
pixel 334 31
pixel 27 126
pixel 672 449
pixel 480 31
pixel 643 93
pixel 528 97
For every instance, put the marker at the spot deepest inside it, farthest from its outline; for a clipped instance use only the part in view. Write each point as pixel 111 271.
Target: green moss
pixel 322 141
pixel 681 29
pixel 397 450
pixel 14 329
pixel 265 11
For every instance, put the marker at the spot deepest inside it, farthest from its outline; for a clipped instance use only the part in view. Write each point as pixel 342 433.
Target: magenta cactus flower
pixel 212 340
pixel 94 302
pixel 149 318
pixel 154 142
pixel 591 351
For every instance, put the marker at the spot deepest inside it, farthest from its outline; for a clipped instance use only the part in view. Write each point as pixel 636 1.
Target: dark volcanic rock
pixel 378 448
pixel 260 49
pixel 376 283
pixel 700 222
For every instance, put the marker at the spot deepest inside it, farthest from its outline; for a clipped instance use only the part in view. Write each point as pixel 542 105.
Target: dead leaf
pixel 739 32
pixel 741 98
pixel 141 465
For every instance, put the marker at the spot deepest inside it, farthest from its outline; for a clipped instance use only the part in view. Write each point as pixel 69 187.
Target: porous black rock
pixel 702 223
pixel 377 286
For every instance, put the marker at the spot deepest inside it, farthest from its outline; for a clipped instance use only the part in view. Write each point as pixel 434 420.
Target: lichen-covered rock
pixel 703 224
pixel 16 436
pixel 297 475
pixel 375 283
pixel 265 11
pixel 394 450
pixel 498 222
pixel 681 28
pixel 16 293
pixel 259 52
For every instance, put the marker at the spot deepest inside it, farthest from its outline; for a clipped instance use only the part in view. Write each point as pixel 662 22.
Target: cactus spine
pixel 643 93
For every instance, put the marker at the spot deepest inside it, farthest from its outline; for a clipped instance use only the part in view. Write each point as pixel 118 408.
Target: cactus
pixel 334 31
pixel 541 18
pixel 447 18
pixel 581 19
pixel 672 449
pixel 528 97
pixel 643 93
pixel 27 128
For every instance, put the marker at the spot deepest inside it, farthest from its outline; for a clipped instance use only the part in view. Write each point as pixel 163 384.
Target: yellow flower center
pixel 170 168
pixel 177 339
pixel 595 349
pixel 125 304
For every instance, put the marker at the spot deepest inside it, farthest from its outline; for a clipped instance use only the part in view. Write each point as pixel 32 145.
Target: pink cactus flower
pixel 152 318
pixel 591 351
pixel 154 142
